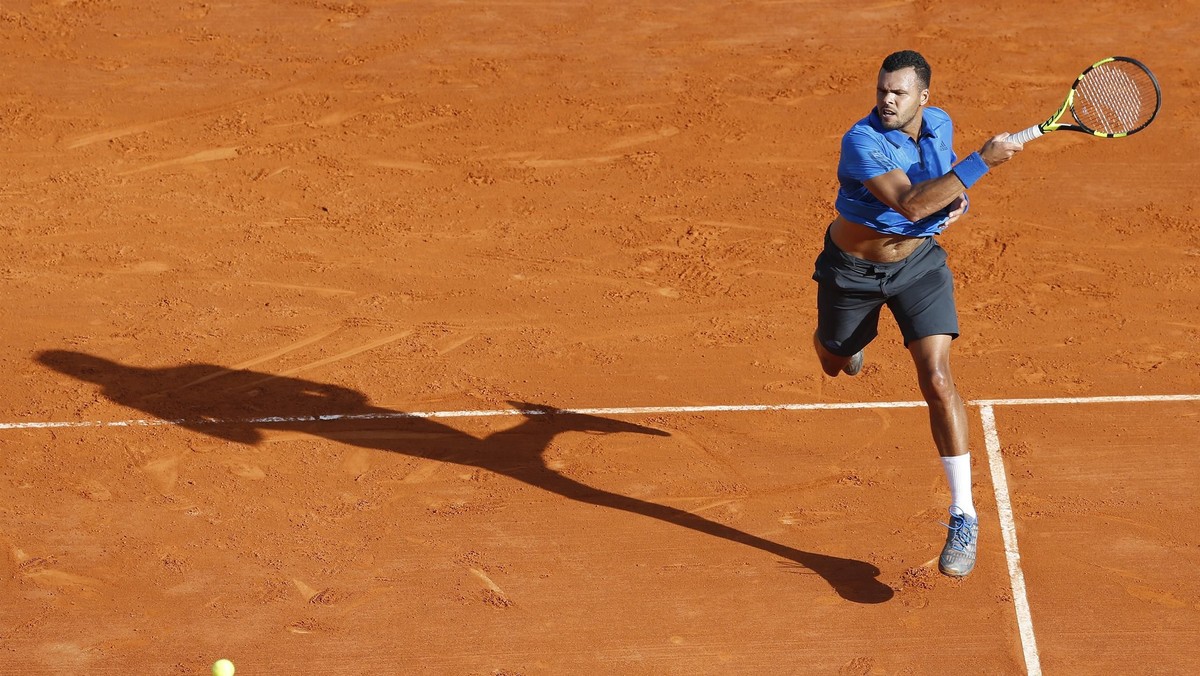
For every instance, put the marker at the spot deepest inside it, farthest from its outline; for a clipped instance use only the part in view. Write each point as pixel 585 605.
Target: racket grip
pixel 1025 136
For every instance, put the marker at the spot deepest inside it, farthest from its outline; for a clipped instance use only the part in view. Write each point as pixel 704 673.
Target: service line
pixel 635 410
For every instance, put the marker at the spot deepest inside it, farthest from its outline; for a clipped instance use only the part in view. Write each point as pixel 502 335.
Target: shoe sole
pixel 952 573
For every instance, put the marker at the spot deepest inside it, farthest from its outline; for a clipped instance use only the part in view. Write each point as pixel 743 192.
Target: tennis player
pixel 900 185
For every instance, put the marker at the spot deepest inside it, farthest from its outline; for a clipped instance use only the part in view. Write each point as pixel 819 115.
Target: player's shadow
pixel 218 401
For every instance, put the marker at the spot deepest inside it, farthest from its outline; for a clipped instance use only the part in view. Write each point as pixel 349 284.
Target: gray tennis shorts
pixel 918 290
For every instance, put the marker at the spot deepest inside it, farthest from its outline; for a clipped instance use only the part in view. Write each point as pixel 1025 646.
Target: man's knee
pixel 937 384
pixel 831 364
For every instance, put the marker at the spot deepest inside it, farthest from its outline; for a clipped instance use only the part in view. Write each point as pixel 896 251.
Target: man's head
pixel 902 89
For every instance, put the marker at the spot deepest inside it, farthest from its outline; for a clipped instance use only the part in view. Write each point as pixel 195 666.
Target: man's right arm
pixel 915 202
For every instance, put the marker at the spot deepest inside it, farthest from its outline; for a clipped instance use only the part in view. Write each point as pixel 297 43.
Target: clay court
pixel 475 338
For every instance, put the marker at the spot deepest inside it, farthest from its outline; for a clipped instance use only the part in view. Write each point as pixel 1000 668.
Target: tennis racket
pixel 1114 97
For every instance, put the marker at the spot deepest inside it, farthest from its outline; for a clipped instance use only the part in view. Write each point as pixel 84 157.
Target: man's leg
pixel 948 423
pixel 947 414
pixel 848 305
pixel 832 364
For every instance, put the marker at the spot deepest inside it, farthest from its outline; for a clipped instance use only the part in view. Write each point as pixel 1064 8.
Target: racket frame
pixel 1053 124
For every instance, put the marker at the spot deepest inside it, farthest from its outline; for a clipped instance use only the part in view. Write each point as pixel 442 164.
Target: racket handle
pixel 1026 136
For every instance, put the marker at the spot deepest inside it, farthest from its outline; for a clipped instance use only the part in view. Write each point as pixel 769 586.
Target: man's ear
pixel 924 96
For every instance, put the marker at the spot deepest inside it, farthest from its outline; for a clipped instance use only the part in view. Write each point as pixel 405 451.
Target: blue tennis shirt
pixel 869 150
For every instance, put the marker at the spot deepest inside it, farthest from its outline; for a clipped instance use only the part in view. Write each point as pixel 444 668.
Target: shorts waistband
pixel 872 268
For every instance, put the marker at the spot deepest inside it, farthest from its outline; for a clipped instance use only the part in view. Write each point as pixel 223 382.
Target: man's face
pixel 898 98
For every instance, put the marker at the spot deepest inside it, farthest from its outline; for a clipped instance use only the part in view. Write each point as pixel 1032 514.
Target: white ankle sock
pixel 958 474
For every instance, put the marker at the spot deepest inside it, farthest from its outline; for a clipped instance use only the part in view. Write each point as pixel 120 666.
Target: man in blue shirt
pixel 901 184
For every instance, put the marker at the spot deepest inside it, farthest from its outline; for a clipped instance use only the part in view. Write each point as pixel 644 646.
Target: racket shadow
pixel 216 401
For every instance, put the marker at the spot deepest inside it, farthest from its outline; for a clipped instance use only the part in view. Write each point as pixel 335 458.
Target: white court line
pixel 391 415
pixel 643 410
pixel 1008 529
pixel 1134 399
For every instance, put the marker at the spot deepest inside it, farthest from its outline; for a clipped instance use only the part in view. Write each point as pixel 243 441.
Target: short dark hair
pixel 908 59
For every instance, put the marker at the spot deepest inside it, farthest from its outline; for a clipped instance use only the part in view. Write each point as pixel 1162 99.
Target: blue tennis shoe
pixel 958 556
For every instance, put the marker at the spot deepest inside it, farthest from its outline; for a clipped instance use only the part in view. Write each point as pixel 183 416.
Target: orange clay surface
pixel 223 212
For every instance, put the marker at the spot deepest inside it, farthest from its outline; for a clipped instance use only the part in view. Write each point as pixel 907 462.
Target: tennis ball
pixel 222 668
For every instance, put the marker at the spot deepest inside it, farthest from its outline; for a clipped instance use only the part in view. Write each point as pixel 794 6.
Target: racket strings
pixel 1115 98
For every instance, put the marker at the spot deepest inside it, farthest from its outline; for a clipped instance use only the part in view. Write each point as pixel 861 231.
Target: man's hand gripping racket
pixel 1113 97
